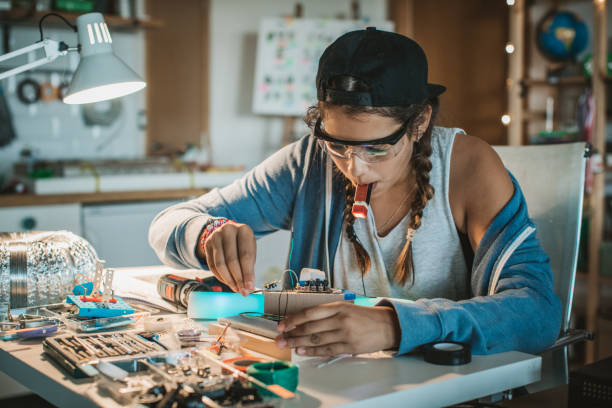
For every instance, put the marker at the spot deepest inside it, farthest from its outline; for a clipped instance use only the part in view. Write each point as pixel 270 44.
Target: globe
pixel 561 36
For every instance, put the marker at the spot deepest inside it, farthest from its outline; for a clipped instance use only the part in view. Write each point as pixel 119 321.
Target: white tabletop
pixel 361 381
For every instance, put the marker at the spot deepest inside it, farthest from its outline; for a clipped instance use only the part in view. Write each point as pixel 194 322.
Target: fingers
pixel 218 266
pixel 310 314
pixel 315 326
pixel 231 260
pixel 327 350
pixel 247 252
pixel 230 253
pixel 311 340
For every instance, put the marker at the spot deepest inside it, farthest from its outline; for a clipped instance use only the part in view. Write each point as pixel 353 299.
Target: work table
pixel 366 380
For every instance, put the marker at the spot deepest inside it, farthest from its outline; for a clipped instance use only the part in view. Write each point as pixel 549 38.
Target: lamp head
pixel 101 75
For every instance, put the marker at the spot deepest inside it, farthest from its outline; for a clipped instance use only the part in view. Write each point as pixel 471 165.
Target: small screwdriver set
pixel 74 351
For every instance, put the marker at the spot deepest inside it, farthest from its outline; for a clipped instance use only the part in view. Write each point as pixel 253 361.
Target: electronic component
pixel 274 388
pixel 175 380
pixel 99 308
pixel 289 302
pixel 176 289
pixel 362 200
pixel 97 303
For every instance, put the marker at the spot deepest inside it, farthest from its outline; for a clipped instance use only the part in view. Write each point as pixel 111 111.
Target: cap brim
pixel 434 90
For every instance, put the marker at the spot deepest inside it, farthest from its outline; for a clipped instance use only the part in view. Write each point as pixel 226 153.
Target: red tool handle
pixel 96 299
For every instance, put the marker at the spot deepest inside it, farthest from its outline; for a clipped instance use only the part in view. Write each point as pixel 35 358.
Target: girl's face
pixel 362 128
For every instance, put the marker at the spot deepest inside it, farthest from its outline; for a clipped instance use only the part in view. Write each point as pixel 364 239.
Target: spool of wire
pixel 448 353
pixel 282 373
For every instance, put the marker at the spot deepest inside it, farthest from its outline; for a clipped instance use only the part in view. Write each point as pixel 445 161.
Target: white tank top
pixel 440 269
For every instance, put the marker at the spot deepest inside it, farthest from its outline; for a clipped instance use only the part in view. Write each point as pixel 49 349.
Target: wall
pixel 238 136
pixel 471 63
pixel 54 130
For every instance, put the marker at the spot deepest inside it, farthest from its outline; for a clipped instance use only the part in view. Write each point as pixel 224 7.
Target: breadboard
pixel 290 302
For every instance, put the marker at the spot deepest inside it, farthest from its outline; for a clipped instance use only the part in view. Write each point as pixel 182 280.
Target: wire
pixel 363 284
pixel 297 279
pixel 291 248
pixel 74 28
pixel 269 316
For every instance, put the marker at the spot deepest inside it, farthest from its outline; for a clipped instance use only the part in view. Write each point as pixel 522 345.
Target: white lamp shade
pixel 101 75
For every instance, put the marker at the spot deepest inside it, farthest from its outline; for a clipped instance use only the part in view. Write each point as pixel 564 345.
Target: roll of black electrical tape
pixel 28 91
pixel 448 353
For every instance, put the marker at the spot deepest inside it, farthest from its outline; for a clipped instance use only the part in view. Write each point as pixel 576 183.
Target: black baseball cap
pixel 393 66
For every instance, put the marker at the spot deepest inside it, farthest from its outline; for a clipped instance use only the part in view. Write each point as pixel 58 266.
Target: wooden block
pixel 255 342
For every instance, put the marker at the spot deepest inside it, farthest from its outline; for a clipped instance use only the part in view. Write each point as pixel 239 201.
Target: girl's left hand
pixel 340 328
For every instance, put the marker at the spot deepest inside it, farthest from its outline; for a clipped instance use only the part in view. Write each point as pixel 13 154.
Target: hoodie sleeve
pixel 514 307
pixel 263 199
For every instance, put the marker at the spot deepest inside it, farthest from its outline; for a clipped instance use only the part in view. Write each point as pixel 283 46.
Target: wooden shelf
pixel 18 200
pixel 563 81
pixel 21 17
pixel 521 29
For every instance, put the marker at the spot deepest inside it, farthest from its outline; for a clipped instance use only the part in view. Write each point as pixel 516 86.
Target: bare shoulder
pixel 479 185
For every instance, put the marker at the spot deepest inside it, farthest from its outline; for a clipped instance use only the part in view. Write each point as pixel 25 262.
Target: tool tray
pixel 77 354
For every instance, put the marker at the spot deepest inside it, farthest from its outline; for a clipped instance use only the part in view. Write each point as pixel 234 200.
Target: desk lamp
pixel 100 75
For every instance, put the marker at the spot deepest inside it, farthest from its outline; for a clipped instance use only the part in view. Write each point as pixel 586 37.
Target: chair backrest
pixel 552 180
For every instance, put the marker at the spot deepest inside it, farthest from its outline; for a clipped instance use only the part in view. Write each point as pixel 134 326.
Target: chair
pixel 552 180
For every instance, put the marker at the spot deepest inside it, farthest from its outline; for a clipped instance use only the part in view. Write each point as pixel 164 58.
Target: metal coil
pixel 19 269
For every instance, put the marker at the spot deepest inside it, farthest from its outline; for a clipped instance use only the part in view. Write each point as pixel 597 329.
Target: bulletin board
pixel 288 52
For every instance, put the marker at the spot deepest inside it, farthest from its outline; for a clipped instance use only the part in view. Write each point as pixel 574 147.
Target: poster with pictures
pixel 288 51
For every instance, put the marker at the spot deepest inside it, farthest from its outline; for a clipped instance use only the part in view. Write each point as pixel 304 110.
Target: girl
pixel 446 226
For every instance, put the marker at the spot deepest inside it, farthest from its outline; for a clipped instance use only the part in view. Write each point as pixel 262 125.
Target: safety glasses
pixel 371 151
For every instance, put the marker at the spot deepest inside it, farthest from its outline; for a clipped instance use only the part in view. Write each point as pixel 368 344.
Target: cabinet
pixel 519 84
pixel 42 218
pixel 119 232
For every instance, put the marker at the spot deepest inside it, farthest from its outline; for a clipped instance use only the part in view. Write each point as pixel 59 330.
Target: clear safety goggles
pixel 371 151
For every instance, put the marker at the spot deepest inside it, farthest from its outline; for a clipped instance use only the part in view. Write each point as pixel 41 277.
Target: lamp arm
pixel 53 49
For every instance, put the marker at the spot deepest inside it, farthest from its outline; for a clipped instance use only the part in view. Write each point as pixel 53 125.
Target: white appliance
pixel 119 232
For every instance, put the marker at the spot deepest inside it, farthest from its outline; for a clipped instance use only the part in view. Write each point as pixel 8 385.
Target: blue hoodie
pixel 513 307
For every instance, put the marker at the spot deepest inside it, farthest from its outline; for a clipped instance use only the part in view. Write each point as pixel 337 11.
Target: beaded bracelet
pixel 210 227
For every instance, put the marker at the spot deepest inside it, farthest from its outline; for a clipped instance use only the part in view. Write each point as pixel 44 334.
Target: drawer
pixel 42 218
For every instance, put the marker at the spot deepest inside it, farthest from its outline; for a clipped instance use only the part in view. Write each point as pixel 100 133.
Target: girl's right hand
pixel 230 252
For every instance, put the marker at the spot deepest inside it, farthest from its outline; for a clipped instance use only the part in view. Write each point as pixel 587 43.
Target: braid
pixel 404 268
pixel 363 259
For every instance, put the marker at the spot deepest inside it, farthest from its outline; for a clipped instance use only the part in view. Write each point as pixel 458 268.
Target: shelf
pixel 18 200
pixel 20 17
pixel 563 81
pixel 601 279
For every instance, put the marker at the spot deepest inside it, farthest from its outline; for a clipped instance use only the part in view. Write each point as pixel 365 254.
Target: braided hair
pixel 420 162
